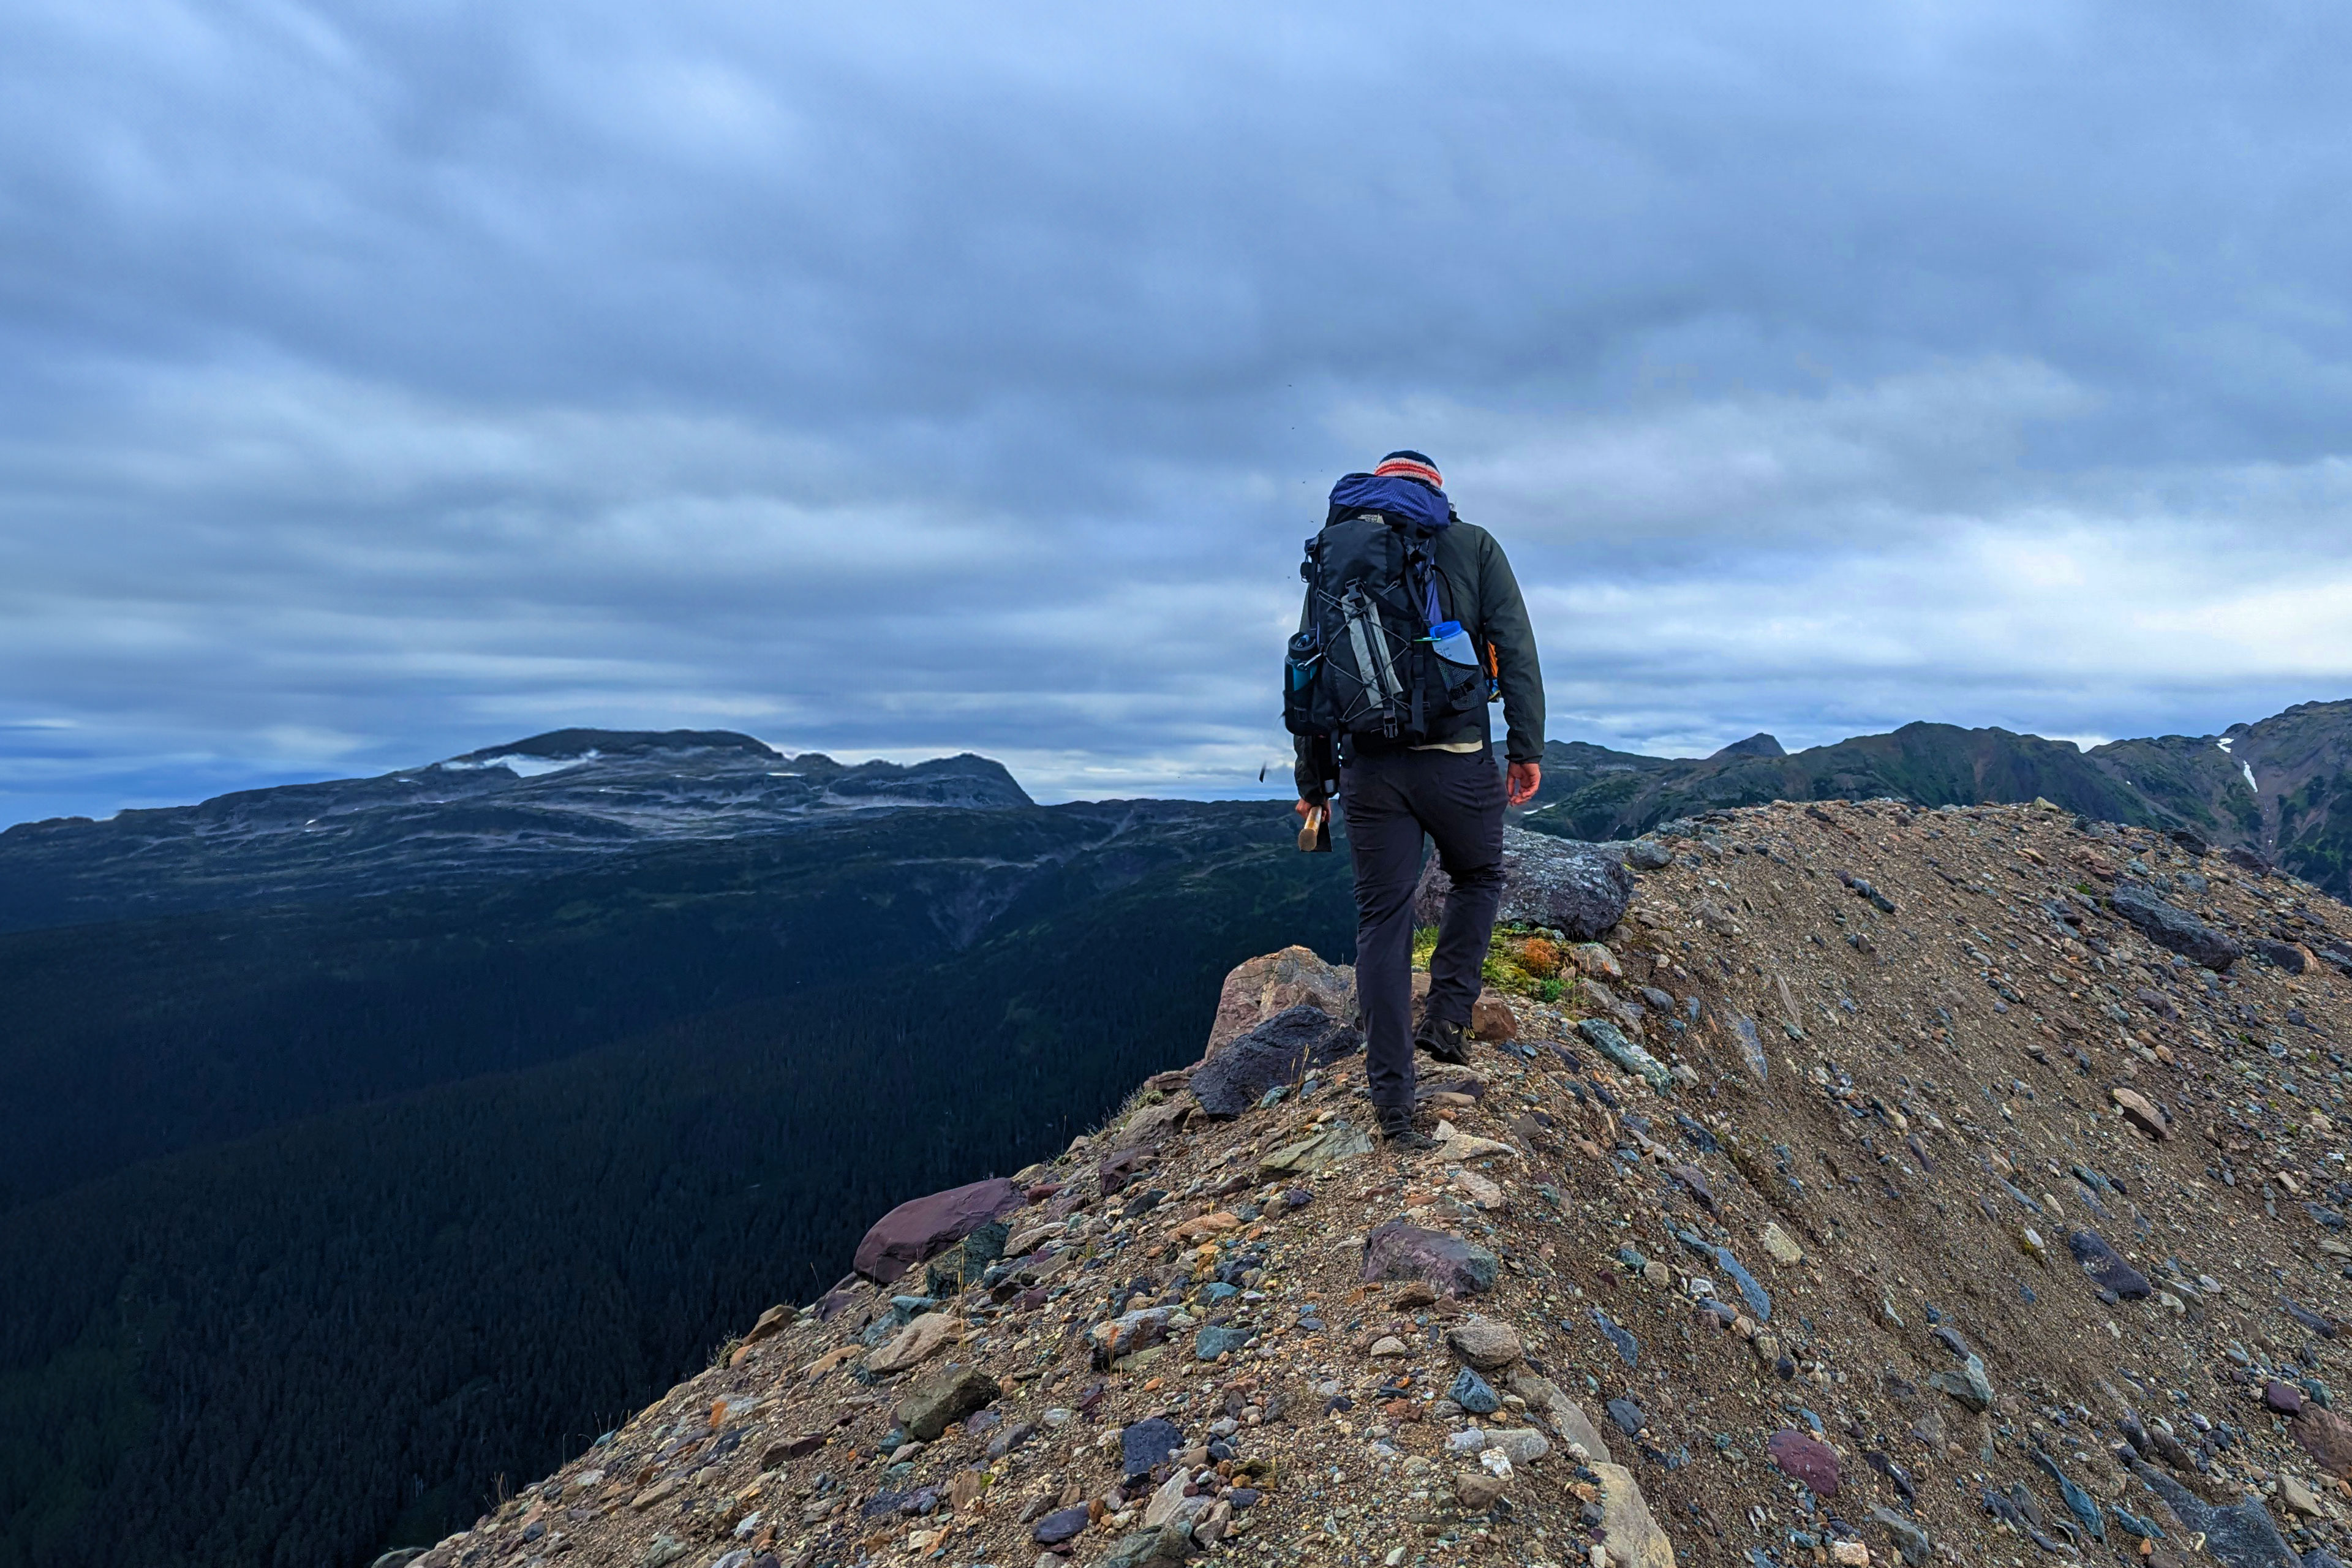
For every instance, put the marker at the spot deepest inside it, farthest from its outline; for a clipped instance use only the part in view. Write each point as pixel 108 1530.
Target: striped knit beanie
pixel 1410 465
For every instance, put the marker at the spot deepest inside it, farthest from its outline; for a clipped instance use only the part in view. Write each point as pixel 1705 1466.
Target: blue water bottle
pixel 1453 644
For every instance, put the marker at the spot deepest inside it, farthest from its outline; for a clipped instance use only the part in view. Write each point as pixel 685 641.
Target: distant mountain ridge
pixel 528 807
pixel 2281 787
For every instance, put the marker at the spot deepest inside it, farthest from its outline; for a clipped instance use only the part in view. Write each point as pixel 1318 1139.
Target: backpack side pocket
pixel 1301 683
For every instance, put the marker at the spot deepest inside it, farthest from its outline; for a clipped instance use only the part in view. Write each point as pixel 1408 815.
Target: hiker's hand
pixel 1303 806
pixel 1520 785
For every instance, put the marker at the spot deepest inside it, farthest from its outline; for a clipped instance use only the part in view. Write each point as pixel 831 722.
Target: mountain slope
pixel 2281 787
pixel 1816 1291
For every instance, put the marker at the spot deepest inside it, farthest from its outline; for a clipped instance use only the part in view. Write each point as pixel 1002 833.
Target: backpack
pixel 1371 665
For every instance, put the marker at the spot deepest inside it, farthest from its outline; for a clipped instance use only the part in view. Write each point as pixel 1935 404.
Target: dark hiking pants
pixel 1391 799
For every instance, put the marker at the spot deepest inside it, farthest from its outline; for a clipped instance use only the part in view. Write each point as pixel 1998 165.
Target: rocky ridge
pixel 1885 1185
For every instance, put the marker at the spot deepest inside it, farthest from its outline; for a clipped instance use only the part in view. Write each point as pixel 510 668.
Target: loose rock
pixel 1484 1343
pixel 1630 1535
pixel 2106 1266
pixel 933 1404
pixel 919 1227
pixel 1446 1263
pixel 1282 1051
pixel 1807 1459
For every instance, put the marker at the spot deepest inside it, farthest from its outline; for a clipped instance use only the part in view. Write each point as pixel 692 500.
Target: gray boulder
pixel 2175 928
pixel 1280 1050
pixel 1579 890
pixel 2107 1268
pixel 944 1398
pixel 2240 1534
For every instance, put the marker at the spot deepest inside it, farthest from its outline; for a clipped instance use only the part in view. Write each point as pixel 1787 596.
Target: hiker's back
pixel 1379 658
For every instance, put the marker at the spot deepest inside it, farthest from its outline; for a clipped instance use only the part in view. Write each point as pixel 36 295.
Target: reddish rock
pixel 1695 1179
pixel 1114 1171
pixel 2326 1437
pixel 921 1227
pixel 1491 1018
pixel 1446 1263
pixel 844 1295
pixel 1809 1459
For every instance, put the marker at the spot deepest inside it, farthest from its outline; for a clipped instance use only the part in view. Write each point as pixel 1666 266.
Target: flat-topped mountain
pixel 518 809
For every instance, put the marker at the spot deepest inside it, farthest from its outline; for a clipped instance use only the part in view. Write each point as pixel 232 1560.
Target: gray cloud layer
pixel 376 384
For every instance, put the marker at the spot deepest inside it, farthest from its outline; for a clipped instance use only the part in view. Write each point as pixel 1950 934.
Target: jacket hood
pixel 1392 497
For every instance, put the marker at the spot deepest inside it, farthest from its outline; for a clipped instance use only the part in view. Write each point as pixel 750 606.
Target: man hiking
pixel 1414 623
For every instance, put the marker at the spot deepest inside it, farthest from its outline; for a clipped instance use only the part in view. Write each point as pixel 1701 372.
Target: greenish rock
pixel 1339 1141
pixel 664 1550
pixel 1216 1340
pixel 963 1264
pixel 1163 1548
pixel 942 1399
pixel 2078 1502
pixel 1610 1041
pixel 1969 1386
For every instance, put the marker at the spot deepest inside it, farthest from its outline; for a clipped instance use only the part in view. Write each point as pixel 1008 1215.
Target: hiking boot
pixel 1444 1041
pixel 1398 1131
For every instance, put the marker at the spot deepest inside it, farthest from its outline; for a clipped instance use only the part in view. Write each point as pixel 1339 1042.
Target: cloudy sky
pixel 377 382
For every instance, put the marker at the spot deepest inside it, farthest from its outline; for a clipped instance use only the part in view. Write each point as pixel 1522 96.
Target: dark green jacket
pixel 1486 599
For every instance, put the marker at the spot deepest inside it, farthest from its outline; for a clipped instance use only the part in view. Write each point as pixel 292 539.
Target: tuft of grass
pixel 1526 959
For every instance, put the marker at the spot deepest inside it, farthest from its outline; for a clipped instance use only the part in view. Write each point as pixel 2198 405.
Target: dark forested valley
pixel 329 1210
